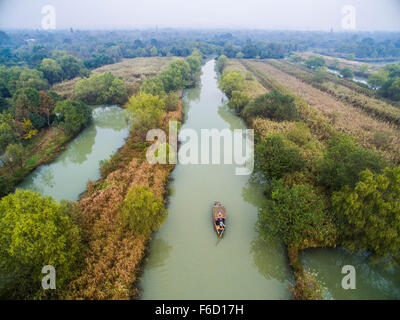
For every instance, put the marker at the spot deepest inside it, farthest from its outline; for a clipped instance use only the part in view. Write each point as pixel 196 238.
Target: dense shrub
pixel 14 156
pixel 231 81
pixel 347 73
pixel 238 101
pixel 315 61
pixel 387 81
pixel 291 214
pixel 369 213
pixel 274 158
pixel 101 89
pixel 176 76
pixel 8 131
pixel 222 61
pixel 320 74
pixel 343 162
pixel 171 101
pixel 273 105
pixel 6 186
pixel 146 112
pixel 72 116
pixel 142 211
pixel 153 86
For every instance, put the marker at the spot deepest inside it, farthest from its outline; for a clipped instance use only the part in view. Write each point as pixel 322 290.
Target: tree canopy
pixel 369 213
pixel 231 81
pixel 146 112
pixel 291 214
pixel 142 211
pixel 273 105
pixel 101 89
pixel 72 115
pixel 35 231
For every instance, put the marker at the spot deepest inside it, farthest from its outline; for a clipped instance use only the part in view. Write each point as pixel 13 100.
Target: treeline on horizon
pixel 97 48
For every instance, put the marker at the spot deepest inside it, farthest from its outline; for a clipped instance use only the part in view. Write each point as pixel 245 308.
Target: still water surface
pixel 184 261
pixel 67 176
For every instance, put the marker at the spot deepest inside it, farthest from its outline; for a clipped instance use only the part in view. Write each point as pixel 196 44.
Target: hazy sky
pixel 259 14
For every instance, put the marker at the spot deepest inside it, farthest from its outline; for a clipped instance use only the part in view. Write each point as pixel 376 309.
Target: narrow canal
pixel 184 260
pixel 67 176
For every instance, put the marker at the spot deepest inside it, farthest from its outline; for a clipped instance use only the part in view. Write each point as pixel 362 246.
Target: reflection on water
pixel 67 176
pixel 105 119
pixel 253 192
pixel 269 261
pixel 373 281
pixel 192 94
pixel 161 250
pixel 79 151
pixel 234 121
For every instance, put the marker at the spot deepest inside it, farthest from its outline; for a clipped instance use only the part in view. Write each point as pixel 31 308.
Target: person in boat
pixel 219 219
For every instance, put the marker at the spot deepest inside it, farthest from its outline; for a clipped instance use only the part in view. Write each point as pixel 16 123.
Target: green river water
pixel 184 260
pixel 67 176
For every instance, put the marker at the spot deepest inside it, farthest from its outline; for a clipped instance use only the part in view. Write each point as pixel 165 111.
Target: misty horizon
pixel 286 15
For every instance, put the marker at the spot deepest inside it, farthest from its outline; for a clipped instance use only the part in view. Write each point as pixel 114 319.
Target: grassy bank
pixel 42 149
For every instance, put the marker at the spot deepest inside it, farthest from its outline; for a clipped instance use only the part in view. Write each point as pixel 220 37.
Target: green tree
pixel 72 115
pixel 369 213
pixel 46 105
pixel 291 214
pixel 153 86
pixel 117 93
pixel 194 61
pixel 176 75
pixel 8 131
pixel 15 156
pixel 26 103
pixel 315 61
pixel 6 186
pixel 347 73
pixel 238 101
pixel 379 78
pixel 35 231
pixel 274 158
pixel 273 105
pixel 52 70
pixel 344 161
pixel 221 63
pixel 71 66
pixel 146 112
pixel 101 88
pixel 231 81
pixel 31 78
pixel 142 211
pixel 320 74
pixel 335 63
pixel 391 89
pixel 171 101
pixel 295 58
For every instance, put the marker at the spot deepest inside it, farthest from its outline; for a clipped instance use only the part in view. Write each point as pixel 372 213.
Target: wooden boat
pixel 219 218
